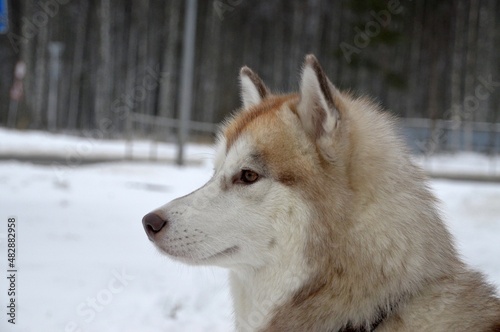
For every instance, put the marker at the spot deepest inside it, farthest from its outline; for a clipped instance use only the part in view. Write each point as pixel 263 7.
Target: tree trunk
pixel 103 84
pixel 40 80
pixel 168 86
pixel 77 65
pixel 470 75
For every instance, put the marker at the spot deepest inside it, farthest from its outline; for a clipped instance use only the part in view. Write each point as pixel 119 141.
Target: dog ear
pixel 316 108
pixel 253 90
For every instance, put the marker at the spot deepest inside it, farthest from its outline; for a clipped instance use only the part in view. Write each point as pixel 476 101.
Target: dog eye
pixel 248 177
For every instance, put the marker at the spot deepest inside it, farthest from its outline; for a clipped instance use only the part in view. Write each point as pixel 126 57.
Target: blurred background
pixel 102 100
pixel 116 65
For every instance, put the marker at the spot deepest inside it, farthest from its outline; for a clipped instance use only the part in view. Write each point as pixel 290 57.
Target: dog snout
pixel 153 223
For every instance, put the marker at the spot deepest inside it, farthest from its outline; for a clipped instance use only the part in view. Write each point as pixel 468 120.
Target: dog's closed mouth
pixel 226 252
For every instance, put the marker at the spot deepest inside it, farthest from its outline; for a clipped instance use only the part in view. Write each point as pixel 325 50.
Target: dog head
pixel 274 158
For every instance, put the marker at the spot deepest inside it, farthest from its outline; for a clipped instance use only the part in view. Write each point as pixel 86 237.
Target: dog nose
pixel 153 223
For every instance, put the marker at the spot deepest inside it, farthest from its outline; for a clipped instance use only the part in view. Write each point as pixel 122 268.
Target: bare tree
pixel 103 81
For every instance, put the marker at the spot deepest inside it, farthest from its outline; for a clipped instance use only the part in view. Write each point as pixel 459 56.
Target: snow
pixel 85 263
pixel 75 150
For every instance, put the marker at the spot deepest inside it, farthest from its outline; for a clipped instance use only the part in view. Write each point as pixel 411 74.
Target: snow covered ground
pixel 85 263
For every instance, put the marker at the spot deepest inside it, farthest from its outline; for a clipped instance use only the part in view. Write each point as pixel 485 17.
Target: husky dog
pixel 323 220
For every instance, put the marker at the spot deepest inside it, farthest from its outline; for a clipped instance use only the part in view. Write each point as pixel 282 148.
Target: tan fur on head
pixel 266 108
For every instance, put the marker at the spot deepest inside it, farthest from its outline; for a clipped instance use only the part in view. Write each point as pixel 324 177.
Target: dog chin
pixel 206 259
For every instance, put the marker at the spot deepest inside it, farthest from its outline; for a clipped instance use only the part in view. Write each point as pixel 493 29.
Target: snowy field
pixel 85 263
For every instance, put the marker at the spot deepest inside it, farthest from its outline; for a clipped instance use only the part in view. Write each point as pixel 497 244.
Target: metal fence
pixel 167 125
pixel 426 136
